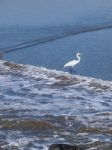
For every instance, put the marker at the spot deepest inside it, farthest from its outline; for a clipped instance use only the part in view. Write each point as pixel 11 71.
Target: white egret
pixel 71 64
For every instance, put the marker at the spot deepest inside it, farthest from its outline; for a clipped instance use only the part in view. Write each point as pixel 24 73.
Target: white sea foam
pixel 29 91
pixel 31 82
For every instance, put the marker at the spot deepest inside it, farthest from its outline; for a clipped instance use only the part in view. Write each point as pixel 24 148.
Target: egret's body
pixel 71 64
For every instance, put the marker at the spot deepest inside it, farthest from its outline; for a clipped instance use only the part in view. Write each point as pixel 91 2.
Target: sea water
pixel 52 47
pixel 39 107
pixel 39 103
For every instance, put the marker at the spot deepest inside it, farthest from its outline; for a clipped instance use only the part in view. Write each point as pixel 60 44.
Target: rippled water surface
pixel 40 107
pixel 52 47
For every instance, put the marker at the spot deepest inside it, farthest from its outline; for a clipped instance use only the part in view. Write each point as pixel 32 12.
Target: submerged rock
pixel 64 147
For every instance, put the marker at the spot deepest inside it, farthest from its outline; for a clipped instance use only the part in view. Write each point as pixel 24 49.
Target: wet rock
pixel 64 147
pixel 13 65
pixel 99 87
pixel 26 124
pixel 66 80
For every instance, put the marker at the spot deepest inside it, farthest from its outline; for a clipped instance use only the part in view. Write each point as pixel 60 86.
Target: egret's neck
pixel 78 57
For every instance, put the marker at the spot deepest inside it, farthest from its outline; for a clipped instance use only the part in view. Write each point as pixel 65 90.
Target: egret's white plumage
pixel 72 63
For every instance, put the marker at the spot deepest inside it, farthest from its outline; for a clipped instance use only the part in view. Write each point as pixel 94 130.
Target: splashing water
pixel 41 106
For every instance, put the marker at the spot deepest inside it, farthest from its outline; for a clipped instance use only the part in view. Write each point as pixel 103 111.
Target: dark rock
pixel 64 147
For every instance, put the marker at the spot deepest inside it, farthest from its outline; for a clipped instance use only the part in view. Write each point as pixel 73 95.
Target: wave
pixel 54 104
pixel 59 77
pixel 71 31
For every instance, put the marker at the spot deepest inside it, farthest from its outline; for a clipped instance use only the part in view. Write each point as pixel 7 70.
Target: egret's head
pixel 78 54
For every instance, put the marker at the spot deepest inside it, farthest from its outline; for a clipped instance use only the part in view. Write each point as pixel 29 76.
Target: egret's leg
pixel 71 70
pixel 1 55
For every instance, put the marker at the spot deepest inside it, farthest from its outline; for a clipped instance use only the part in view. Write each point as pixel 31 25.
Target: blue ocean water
pixel 52 44
pixel 95 47
pixel 40 106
